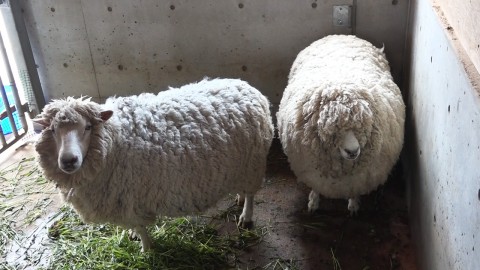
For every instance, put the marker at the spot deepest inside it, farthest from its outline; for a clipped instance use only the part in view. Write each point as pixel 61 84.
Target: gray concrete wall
pixel 106 47
pixel 442 147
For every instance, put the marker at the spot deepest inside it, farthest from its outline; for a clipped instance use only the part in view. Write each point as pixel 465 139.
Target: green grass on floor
pixel 198 242
pixel 179 243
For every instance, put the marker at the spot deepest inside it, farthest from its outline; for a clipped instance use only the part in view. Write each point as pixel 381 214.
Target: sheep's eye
pixel 53 129
pixel 88 127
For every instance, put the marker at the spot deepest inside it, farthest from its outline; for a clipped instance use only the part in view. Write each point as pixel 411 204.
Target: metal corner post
pixel 28 55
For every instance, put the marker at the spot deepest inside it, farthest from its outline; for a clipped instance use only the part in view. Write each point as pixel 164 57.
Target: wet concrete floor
pixel 378 237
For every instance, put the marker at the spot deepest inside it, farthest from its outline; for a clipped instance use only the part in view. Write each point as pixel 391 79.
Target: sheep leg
pixel 313 201
pixel 240 200
pixel 245 219
pixel 144 237
pixel 354 205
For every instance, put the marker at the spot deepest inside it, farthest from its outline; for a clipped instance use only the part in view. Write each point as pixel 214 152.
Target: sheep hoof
pixel 146 247
pixel 313 202
pixel 240 200
pixel 353 213
pixel 354 206
pixel 245 224
pixel 144 238
pixel 132 236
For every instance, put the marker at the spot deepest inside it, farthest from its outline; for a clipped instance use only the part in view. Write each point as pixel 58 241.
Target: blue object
pixel 6 127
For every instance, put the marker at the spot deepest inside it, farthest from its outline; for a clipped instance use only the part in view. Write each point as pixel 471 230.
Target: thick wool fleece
pixel 341 83
pixel 169 154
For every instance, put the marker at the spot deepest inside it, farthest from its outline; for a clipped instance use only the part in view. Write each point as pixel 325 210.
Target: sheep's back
pixel 339 58
pixel 182 150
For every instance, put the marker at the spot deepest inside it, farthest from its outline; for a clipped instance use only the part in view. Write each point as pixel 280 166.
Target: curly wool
pixel 170 154
pixel 336 84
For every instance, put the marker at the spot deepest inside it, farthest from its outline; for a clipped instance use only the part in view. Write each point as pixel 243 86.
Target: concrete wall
pixel 463 18
pixel 106 47
pixel 442 148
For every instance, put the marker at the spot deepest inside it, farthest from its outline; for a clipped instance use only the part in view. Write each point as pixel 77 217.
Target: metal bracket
pixel 342 16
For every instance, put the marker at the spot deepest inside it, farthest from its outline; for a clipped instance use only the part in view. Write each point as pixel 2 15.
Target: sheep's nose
pixel 352 154
pixel 69 162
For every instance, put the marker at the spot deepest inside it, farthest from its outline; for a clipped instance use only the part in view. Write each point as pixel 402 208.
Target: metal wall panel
pixel 126 47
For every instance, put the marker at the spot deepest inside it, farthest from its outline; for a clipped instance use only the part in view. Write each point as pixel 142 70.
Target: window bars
pixel 16 126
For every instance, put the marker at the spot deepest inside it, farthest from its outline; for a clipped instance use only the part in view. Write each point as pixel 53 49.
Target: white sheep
pixel 341 119
pixel 176 153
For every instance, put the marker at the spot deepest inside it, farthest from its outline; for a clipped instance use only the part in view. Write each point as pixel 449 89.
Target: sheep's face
pixel 349 146
pixel 66 138
pixel 345 121
pixel 72 139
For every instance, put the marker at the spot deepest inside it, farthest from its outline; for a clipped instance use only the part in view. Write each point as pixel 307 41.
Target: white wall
pixel 463 18
pixel 105 47
pixel 442 149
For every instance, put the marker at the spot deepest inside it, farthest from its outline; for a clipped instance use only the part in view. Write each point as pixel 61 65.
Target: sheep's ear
pixel 105 115
pixel 42 122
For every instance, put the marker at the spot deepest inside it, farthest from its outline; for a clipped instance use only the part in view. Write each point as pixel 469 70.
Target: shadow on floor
pixel 377 238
